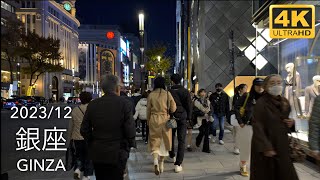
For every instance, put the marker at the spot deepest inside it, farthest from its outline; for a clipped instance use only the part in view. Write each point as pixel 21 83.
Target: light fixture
pixel 250 52
pixel 159 58
pixel 261 62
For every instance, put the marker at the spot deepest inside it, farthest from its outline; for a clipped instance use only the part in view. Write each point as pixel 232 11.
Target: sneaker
pixel 178 168
pixel 213 140
pixel 221 142
pixel 85 178
pixel 76 174
pixel 243 171
pixel 146 142
pixel 236 151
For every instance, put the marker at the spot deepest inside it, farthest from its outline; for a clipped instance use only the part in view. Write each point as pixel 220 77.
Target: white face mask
pixel 275 90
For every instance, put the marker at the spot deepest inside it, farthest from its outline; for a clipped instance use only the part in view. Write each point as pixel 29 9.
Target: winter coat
pixel 220 104
pixel 136 98
pixel 109 128
pixel 76 121
pixel 141 110
pixel 271 133
pixel 157 117
pixel 205 107
pixel 314 126
pixel 183 101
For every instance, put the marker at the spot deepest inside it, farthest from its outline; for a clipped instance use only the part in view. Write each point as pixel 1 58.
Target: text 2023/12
pixel 40 113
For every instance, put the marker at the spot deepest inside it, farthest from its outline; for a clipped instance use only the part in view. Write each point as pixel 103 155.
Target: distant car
pixel 3 100
pixel 9 103
pixel 41 100
pixel 73 100
pixel 31 101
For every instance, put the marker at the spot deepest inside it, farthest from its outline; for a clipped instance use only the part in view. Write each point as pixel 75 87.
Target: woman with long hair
pixel 160 104
pixel 239 91
pixel 243 111
pixel 270 157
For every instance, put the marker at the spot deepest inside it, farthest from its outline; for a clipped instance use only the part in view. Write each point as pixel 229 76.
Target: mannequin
pixel 311 92
pixel 292 93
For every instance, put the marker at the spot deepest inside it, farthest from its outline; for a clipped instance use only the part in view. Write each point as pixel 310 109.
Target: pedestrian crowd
pixel 103 130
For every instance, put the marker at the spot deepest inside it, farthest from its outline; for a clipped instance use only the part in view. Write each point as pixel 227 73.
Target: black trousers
pixel 82 160
pixel 204 134
pixel 108 171
pixel 181 135
pixel 145 129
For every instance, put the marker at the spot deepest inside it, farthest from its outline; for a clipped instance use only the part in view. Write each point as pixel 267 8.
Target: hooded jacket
pixel 141 109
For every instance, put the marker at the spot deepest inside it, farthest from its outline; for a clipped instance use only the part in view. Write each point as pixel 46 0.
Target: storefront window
pixel 298 62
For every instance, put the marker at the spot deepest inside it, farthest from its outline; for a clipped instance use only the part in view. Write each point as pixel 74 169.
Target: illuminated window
pixel 261 62
pixel 261 43
pixel 250 52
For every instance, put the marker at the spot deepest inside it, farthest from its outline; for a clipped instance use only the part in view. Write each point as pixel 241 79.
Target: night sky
pixel 160 18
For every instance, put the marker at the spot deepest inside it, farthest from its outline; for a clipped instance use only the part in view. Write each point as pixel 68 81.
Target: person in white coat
pixel 141 114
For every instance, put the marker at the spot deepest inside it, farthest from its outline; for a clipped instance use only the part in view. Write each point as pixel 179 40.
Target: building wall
pixel 49 18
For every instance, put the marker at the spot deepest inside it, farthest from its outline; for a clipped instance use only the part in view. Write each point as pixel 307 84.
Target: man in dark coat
pixel 221 109
pixel 108 126
pixel 183 101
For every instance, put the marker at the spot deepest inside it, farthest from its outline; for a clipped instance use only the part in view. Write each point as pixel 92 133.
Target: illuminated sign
pixel 292 21
pixel 110 35
pixel 123 46
pixel 128 49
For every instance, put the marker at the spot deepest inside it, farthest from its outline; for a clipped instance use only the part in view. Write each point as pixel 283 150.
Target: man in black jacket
pixel 109 129
pixel 221 108
pixel 183 113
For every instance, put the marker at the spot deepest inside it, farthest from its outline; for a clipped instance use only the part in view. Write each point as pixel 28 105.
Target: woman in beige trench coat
pixel 157 115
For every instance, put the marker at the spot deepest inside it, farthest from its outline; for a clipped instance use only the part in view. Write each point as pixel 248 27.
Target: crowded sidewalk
pixel 221 164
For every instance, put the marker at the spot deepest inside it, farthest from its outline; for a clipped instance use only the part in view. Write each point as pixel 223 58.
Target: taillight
pixel 4 102
pixel 17 102
pixel 29 100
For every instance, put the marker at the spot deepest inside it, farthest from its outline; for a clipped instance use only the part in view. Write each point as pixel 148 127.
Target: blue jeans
pixel 217 120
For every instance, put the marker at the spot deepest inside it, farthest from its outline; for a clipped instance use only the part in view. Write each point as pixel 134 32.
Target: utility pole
pixel 231 50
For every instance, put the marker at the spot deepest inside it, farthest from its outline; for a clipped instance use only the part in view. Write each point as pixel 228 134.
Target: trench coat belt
pixel 159 113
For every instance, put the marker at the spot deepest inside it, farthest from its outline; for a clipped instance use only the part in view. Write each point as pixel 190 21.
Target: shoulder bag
pixel 243 108
pixel 171 123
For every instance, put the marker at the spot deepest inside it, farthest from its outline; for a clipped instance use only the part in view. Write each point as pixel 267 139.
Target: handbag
pixel 297 154
pixel 233 120
pixel 243 108
pixel 70 156
pixel 171 123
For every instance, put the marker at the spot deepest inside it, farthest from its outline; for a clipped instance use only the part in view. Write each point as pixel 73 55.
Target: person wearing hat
pixel 244 111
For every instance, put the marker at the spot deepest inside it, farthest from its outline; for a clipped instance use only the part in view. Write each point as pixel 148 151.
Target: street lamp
pixel 141 32
pixel 159 58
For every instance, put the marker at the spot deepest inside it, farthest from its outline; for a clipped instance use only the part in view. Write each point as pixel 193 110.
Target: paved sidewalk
pixel 221 164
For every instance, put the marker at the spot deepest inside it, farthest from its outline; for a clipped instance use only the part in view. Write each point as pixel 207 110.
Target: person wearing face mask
pixel 270 157
pixel 221 109
pixel 243 110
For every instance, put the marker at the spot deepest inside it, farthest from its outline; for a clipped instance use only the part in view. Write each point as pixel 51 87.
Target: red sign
pixel 110 35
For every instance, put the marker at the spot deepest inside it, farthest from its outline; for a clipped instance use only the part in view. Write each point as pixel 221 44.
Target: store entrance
pixel 55 89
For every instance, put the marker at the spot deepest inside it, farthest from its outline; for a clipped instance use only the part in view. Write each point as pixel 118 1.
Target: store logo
pixel 292 21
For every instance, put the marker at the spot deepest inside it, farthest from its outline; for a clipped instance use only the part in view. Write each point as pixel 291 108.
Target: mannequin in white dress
pixel 292 93
pixel 311 92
